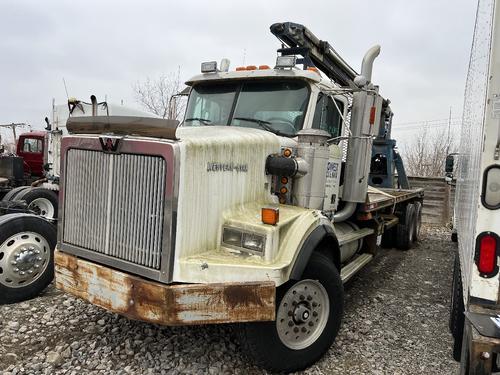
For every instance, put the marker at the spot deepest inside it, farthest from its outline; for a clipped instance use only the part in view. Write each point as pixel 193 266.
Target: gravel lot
pixel 395 323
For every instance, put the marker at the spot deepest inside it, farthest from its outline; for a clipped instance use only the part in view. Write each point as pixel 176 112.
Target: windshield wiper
pixel 204 121
pixel 264 125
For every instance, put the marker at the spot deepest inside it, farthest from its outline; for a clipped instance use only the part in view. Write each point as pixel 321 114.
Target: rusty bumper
pixel 184 304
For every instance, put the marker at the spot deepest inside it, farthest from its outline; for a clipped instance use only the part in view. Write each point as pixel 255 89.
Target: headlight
pixel 244 241
pixel 232 237
pixel 253 242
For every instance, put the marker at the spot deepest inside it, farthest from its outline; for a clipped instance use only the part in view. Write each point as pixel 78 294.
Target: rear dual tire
pixel 406 228
pixel 308 317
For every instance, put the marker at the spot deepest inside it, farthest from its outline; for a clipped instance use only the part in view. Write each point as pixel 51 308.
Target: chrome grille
pixel 114 205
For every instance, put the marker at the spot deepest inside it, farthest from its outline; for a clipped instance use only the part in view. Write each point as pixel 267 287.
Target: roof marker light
pixel 251 67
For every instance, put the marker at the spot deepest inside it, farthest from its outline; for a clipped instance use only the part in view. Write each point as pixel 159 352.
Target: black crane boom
pixel 316 52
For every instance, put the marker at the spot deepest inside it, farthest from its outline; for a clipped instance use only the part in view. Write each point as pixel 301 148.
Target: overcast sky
pixel 103 47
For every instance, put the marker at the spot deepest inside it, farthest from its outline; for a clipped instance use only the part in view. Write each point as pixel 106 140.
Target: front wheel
pixel 308 317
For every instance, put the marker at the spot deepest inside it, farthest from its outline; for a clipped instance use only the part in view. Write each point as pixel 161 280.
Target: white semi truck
pixel 475 303
pixel 255 210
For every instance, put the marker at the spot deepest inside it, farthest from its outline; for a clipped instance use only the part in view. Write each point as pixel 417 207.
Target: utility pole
pixel 13 127
pixel 448 138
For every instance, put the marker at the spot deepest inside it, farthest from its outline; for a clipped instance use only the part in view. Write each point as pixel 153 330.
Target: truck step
pixel 353 267
pixel 354 236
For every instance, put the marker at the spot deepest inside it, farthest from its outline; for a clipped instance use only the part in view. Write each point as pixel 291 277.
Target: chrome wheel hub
pixel 23 259
pixel 302 314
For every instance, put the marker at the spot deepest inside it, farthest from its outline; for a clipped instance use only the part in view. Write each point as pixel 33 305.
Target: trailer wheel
pixel 406 229
pixel 308 318
pixel 418 221
pixel 11 195
pixel 457 317
pixel 41 201
pixel 27 245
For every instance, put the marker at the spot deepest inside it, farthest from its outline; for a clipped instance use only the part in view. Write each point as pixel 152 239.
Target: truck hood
pixel 220 169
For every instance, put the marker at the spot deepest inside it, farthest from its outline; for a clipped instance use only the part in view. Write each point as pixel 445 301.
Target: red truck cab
pixel 31 147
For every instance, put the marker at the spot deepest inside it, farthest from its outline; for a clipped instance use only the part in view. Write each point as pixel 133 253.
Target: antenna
pixel 65 88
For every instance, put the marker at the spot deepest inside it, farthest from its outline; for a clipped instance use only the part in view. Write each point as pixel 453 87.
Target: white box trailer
pixel 475 305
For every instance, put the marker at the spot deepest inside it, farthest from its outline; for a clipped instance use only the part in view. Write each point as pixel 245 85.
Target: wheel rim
pixel 23 259
pixel 42 207
pixel 302 314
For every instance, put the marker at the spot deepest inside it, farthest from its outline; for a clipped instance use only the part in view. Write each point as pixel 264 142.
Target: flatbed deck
pixel 384 197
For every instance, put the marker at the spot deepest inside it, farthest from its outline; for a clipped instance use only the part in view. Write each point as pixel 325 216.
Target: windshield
pixel 275 106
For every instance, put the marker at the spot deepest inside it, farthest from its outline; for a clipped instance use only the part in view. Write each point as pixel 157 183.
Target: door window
pixel 327 116
pixel 32 145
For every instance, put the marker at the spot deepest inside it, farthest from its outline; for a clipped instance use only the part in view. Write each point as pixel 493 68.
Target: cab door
pixel 30 148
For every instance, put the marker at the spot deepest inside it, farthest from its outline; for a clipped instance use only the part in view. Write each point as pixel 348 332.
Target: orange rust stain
pixel 159 303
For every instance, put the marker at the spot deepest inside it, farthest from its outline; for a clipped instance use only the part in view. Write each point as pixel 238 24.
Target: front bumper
pixel 181 304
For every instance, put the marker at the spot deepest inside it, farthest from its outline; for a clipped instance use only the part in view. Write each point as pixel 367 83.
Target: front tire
pixel 308 317
pixel 27 245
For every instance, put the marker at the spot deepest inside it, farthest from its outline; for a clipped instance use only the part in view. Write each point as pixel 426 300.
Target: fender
pixel 321 234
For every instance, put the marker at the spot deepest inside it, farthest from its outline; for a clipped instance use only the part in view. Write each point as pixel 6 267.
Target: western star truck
pixel 269 196
pixel 475 303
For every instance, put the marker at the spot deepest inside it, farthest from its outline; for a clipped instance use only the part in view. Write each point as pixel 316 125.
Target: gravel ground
pixel 395 323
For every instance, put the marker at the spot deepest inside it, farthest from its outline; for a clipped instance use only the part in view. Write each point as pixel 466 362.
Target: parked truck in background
pixel 255 210
pixel 30 205
pixel 475 303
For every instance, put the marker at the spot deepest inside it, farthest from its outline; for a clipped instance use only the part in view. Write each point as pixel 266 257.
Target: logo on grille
pixel 109 144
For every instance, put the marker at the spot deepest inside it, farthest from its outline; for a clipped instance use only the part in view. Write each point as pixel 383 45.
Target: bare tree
pixel 426 155
pixel 155 95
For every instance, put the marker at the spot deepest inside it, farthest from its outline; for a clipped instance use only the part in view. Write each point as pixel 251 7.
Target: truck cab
pixel 32 148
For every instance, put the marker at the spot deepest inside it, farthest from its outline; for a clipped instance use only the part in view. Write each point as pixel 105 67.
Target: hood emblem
pixel 109 144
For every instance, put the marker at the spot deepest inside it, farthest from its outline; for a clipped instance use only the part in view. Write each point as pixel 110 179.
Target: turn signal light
pixel 270 215
pixel 487 254
pixel 283 190
pixel 287 152
pixel 284 180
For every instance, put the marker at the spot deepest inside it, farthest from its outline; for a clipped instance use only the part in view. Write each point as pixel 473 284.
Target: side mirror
pixel 49 127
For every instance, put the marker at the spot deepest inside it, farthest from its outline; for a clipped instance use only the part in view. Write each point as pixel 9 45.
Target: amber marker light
pixel 264 67
pixel 287 152
pixel 270 215
pixel 240 68
pixel 251 67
